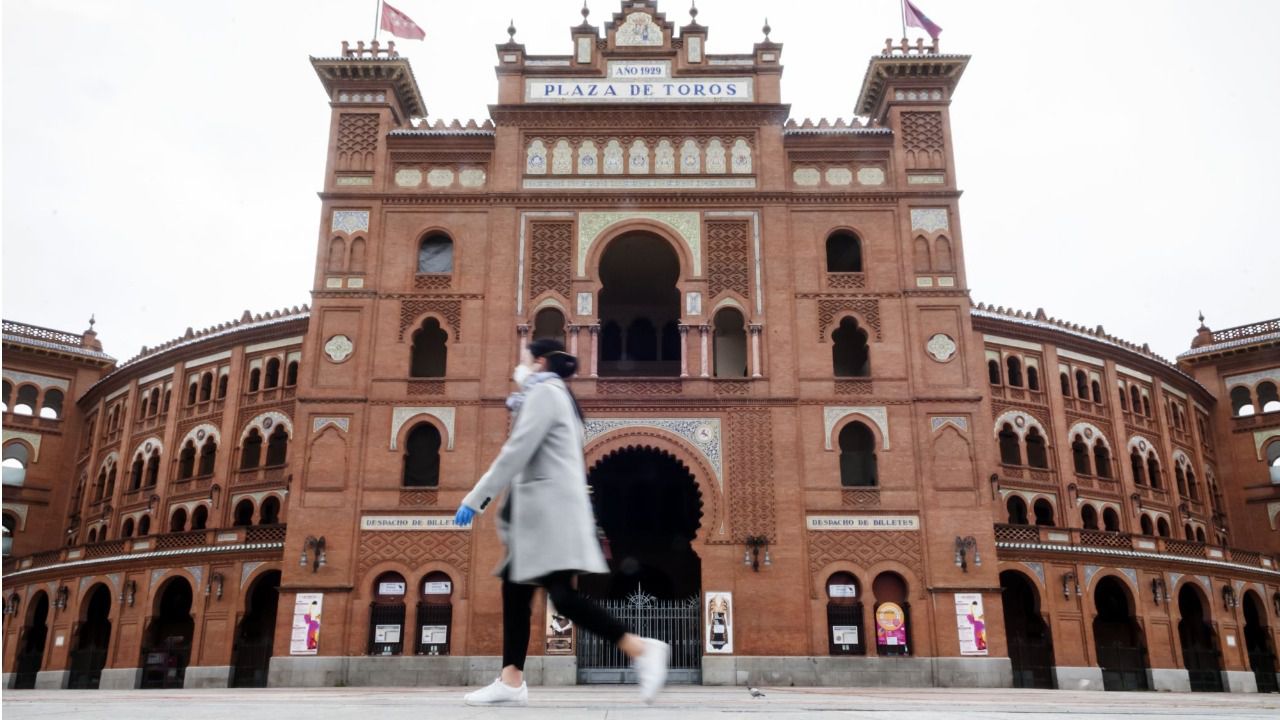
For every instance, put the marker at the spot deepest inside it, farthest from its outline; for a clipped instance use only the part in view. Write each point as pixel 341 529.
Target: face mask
pixel 521 374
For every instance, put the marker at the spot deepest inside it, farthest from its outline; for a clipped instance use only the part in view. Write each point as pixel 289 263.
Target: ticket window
pixel 435 615
pixel 845 632
pixel 386 615
pixel 892 616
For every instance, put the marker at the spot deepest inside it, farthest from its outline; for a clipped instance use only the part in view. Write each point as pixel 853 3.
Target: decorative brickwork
pixel 426 387
pixel 860 498
pixel 830 309
pixel 922 139
pixel 419 498
pixel 432 281
pixel 728 261
pixel 865 549
pixel 853 387
pixel 846 281
pixel 750 486
pixel 357 141
pixel 449 309
pixel 551 259
pixel 639 387
pixel 415 549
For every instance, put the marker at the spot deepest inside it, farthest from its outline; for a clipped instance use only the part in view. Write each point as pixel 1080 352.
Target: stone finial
pixel 586 11
pixel 1204 336
pixel 766 29
pixel 1040 314
pixel 693 11
pixel 511 31
pixel 89 338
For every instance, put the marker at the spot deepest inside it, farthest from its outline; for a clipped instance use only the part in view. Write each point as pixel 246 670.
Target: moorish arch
pixel 640 274
pixel 682 231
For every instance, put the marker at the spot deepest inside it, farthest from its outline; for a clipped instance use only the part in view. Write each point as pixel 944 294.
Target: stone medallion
pixel 941 347
pixel 339 348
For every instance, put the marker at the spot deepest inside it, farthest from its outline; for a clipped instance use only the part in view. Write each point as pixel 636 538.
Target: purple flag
pixel 915 18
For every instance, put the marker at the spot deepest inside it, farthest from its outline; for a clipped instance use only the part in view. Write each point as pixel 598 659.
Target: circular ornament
pixel 1088 433
pixel 1020 421
pixel 147 448
pixel 267 423
pixel 339 348
pixel 1142 445
pixel 704 433
pixel 941 347
pixel 200 434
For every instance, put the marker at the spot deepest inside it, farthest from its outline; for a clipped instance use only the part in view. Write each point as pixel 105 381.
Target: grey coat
pixel 552 526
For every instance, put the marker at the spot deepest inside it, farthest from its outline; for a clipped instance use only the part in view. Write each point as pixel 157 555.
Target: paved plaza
pixel 619 703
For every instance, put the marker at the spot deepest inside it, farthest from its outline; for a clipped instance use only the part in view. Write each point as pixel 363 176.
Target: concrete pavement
pixel 620 703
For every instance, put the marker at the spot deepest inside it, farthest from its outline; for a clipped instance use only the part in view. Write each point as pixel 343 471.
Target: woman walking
pixel 548 526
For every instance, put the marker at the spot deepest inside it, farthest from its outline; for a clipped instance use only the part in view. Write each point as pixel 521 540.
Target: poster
pixel 719 627
pixel 844 634
pixel 435 634
pixel 391 588
pixel 437 588
pixel 559 632
pixel 891 625
pixel 305 637
pixel 842 591
pixel 386 633
pixel 970 624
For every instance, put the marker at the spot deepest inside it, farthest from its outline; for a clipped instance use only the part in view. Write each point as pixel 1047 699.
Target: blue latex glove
pixel 464 516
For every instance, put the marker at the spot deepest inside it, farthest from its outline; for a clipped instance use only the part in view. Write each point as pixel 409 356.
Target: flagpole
pixel 377 19
pixel 902 12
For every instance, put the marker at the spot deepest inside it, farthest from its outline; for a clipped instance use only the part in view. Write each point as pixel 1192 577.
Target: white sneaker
pixel 651 668
pixel 499 693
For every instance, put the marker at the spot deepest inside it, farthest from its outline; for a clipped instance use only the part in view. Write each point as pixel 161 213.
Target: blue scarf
pixel 516 399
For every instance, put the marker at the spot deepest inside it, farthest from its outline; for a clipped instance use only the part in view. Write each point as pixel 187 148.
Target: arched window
pixel 92 537
pixel 222 385
pixel 1037 452
pixel 192 391
pixel 251 451
pixel 942 255
pixel 277 447
pixel 1180 478
pixel 857 456
pixel 144 526
pixel 844 252
pixel 1162 528
pixel 1080 455
pixel 993 371
pixel 1110 520
pixel 1200 535
pixel 291 374
pixel 435 254
pixel 200 517
pixel 52 407
pixel 923 264
pixel 1096 389
pixel 1082 385
pixel 1146 406
pixel 1033 378
pixel 1136 464
pixel 356 264
pixel 549 324
pixel 27 396
pixel 1153 472
pixel 1135 399
pixel 206 387
pixel 243 515
pixel 337 255
pixel 126 529
pixel 430 352
pixel 16 458
pixel 269 513
pixel 6 395
pixel 845 635
pixel 1044 512
pixel 1010 449
pixel 1102 460
pixel 255 380
pixel 1268 398
pixel 1066 384
pixel 1017 508
pixel 1188 532
pixel 208 455
pixel 1192 487
pixel 386 615
pixel 273 374
pixel 422 456
pixel 893 615
pixel 155 401
pixel 730 344
pixel 135 473
pixel 111 479
pixel 178 521
pixel 187 461
pixel 1124 399
pixel 1014 366
pixel 850 354
pixel 1147 527
pixel 168 395
pixel 1088 518
pixel 1241 401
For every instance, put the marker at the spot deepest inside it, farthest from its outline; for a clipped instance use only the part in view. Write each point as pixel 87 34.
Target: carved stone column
pixel 755 350
pixel 573 339
pixel 684 350
pixel 704 331
pixel 595 349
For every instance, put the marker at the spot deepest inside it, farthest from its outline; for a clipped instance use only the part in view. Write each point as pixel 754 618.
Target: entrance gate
pixel 675 622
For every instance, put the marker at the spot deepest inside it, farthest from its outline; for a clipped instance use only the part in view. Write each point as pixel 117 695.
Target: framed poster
pixel 891 625
pixel 305 636
pixel 842 591
pixel 844 634
pixel 970 624
pixel 435 634
pixel 386 633
pixel 438 588
pixel 719 623
pixel 391 588
pixel 559 632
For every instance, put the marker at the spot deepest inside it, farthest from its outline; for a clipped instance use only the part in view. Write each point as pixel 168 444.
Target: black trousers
pixel 517 609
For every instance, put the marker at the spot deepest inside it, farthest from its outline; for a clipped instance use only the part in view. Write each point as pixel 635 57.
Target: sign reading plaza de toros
pixel 646 82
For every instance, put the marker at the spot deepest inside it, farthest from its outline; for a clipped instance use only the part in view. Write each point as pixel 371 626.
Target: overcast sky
pixel 161 159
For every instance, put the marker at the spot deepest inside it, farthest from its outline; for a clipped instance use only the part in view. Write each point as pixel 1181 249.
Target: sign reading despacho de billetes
pixel 663 90
pixel 863 522
pixel 409 522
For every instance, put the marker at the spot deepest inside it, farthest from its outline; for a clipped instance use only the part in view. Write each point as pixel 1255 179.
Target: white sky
pixel 161 159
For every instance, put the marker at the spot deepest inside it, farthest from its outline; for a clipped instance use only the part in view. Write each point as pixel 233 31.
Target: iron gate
pixel 1032 660
pixel 675 622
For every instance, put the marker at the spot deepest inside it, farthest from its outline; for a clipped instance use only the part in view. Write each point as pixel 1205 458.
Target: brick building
pixel 813 460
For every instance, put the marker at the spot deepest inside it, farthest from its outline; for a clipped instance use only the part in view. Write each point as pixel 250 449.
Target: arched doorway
pixel 31 643
pixel 1117 638
pixel 166 640
pixel 1257 642
pixel 1200 654
pixel 649 509
pixel 1030 642
pixel 90 639
pixel 435 615
pixel 639 307
pixel 251 654
pixel 845 633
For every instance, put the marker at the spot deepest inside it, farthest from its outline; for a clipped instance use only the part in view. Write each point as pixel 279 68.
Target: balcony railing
pixel 1081 537
pixel 160 541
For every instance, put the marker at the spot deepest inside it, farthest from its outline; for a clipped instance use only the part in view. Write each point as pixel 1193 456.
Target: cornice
pixel 541 198
pixel 1164 560
pixel 638 116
